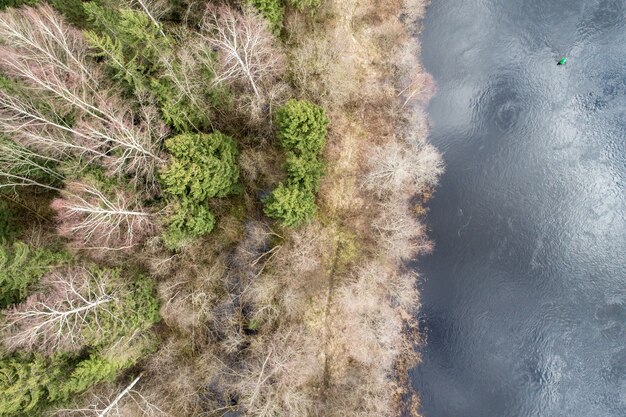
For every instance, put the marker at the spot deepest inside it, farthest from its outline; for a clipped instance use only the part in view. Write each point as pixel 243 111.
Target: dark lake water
pixel 524 299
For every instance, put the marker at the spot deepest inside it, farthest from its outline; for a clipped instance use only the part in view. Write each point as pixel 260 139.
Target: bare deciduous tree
pixel 31 128
pixel 92 219
pixel 303 249
pixel 55 319
pixel 400 168
pixel 41 35
pixel 246 49
pixel 49 57
pixel 401 234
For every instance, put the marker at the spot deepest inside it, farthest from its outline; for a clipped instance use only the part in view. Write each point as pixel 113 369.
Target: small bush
pixel 291 204
pixel 203 166
pixel 302 127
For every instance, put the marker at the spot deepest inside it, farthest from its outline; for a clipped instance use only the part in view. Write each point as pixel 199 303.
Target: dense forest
pixel 207 208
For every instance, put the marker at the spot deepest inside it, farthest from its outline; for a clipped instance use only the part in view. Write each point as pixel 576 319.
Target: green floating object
pixel 562 61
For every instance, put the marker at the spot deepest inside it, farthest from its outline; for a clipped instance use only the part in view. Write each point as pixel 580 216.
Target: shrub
pixel 203 166
pixel 301 126
pixel 305 171
pixel 291 204
pixel 272 10
pixel 20 267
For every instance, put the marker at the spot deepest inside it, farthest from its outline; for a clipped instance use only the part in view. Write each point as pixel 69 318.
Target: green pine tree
pixel 203 166
pixel 301 127
pixel 20 267
pixel 293 205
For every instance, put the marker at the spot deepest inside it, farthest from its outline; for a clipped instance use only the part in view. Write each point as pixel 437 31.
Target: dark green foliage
pixel 191 220
pixel 16 3
pixel 303 5
pixel 291 204
pixel 7 84
pixel 203 166
pixel 301 127
pixel 305 171
pixel 272 10
pixel 27 384
pixel 7 230
pixel 89 372
pixel 20 267
pixel 129 43
pixel 144 59
pixel 178 111
pixel 73 11
pixel 31 383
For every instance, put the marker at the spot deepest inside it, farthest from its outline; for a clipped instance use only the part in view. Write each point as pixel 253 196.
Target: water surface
pixel 524 300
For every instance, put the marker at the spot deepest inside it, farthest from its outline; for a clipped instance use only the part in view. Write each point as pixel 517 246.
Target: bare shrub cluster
pixel 325 62
pixel 279 379
pixel 400 168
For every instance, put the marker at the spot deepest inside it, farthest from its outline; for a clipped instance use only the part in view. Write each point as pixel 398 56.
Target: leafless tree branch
pixel 55 319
